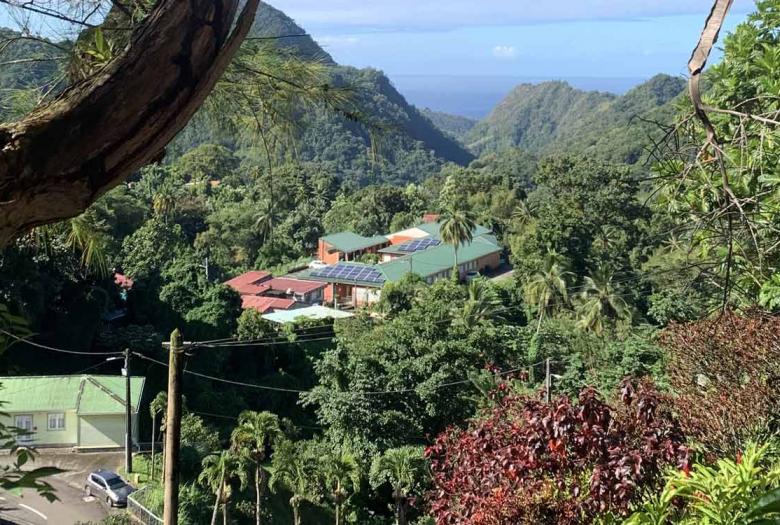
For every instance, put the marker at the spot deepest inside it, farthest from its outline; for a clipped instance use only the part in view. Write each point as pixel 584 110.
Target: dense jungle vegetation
pixel 648 286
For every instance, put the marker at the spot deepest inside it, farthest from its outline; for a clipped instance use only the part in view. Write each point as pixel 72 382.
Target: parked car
pixel 316 264
pixel 108 486
pixel 470 276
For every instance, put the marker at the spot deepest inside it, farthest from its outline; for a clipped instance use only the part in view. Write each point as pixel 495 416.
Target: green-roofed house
pixel 416 250
pixel 81 411
pixel 348 246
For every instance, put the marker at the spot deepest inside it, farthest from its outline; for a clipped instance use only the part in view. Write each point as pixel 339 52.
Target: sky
pixel 463 56
pixel 486 46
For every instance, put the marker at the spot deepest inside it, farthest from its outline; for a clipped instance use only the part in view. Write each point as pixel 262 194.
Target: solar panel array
pixel 350 272
pixel 418 245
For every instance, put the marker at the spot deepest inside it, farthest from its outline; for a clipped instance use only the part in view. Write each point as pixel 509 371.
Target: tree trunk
pixel 63 156
pixel 260 484
pixel 400 511
pixel 217 502
pixel 338 514
pixel 296 512
pixel 151 474
pixel 539 323
pixel 225 510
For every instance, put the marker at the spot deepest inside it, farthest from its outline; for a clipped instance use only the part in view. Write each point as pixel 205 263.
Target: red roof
pixel 250 283
pixel 288 285
pixel 266 304
pixel 123 281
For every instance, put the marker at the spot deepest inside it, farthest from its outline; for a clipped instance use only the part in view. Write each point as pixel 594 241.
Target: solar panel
pixel 350 272
pixel 418 245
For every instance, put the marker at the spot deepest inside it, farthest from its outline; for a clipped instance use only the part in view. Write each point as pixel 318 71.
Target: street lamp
pixel 128 411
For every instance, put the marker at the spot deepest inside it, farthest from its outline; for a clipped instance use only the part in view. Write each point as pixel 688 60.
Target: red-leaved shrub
pixel 527 462
pixel 725 376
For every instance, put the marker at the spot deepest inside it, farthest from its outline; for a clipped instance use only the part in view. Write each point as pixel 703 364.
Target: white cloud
pixel 399 15
pixel 505 52
pixel 337 40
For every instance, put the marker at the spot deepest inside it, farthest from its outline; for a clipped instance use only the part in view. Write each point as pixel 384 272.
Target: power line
pixel 53 349
pixel 368 393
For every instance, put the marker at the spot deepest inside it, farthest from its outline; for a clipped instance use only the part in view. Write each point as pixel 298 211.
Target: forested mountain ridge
pixel 397 126
pixel 554 116
pixel 456 126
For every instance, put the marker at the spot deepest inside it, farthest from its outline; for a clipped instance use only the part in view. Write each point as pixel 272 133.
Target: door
pixel 24 423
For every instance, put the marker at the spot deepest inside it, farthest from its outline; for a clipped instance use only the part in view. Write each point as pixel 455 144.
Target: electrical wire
pixel 53 349
pixel 367 393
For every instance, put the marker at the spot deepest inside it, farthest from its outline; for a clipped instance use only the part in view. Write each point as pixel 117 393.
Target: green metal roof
pixel 349 242
pixel 439 258
pixel 86 394
pixel 424 263
pixel 433 229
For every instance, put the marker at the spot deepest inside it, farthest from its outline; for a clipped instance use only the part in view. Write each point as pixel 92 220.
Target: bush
pixel 725 493
pixel 724 372
pixel 527 462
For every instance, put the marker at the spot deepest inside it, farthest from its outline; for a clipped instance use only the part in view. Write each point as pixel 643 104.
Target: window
pixel 57 421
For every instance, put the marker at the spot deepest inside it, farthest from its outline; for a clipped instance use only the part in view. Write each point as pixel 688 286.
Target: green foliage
pixel 415 350
pixel 730 492
pixel 552 116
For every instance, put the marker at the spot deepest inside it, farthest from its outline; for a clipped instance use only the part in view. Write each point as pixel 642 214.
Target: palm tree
pixel 266 219
pixel 406 470
pixel 482 303
pixel 600 302
pixel 341 471
pixel 296 469
pixel 158 406
pixel 220 472
pixel 88 234
pixel 164 202
pixel 457 228
pixel 546 285
pixel 255 434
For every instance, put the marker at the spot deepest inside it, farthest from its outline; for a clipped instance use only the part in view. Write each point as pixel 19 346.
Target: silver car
pixel 108 486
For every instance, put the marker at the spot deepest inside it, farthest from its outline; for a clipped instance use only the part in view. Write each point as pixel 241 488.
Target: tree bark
pixel 63 156
pixel 260 483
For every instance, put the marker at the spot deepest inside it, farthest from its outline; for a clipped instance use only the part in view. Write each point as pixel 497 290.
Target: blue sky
pixel 523 38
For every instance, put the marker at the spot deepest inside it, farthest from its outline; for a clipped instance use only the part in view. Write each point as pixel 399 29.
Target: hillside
pixel 409 146
pixel 554 117
pixel 455 126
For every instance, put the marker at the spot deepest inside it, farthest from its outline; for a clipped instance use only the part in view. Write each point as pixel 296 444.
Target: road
pixel 31 509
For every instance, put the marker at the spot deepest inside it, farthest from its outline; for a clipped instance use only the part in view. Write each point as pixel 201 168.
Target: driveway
pixel 72 507
pixel 29 508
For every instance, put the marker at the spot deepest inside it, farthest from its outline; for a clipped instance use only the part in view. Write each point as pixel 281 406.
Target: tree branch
pixel 63 156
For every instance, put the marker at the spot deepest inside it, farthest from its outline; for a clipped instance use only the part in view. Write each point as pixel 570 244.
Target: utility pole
pixel 128 415
pixel 547 380
pixel 173 430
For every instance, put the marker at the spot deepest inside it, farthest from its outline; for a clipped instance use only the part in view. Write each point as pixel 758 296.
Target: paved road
pixel 32 509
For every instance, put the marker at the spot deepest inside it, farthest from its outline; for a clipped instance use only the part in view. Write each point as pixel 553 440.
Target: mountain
pixel 455 126
pixel 271 23
pixel 391 141
pixel 555 117
pixel 27 64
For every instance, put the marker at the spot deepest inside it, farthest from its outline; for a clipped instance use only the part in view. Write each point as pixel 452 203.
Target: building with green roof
pixel 417 250
pixel 79 411
pixel 348 246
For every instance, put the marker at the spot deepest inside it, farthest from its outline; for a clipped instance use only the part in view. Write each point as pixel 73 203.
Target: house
pixel 309 312
pixel 266 304
pixel 79 411
pixel 348 246
pixel 416 250
pixel 308 292
pixel 250 283
pixel 262 292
